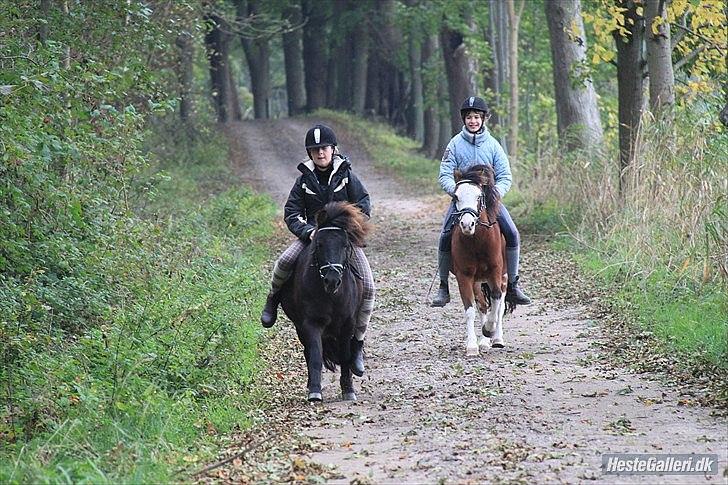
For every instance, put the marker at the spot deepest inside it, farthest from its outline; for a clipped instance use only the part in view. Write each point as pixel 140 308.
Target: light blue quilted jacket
pixel 466 150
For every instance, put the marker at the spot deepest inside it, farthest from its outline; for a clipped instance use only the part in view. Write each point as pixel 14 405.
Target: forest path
pixel 544 409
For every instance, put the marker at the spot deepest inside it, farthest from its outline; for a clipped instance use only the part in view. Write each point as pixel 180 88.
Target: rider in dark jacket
pixel 314 188
pixel 325 177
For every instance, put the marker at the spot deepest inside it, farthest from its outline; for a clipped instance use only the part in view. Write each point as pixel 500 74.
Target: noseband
pixel 475 213
pixel 339 268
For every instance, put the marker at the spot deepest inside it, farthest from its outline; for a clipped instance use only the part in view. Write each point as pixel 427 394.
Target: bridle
pixel 475 213
pixel 338 267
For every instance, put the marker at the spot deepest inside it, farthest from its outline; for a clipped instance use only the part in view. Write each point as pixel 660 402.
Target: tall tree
pixel 659 56
pixel 514 19
pixel 315 52
pixel 630 83
pixel 416 118
pixel 257 54
pixel 217 42
pixel 359 62
pixel 293 59
pixel 431 81
pixel 184 44
pixel 576 101
pixel 460 69
pixel 498 39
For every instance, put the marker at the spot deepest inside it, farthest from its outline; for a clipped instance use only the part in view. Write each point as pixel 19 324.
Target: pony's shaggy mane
pixel 346 216
pixel 484 177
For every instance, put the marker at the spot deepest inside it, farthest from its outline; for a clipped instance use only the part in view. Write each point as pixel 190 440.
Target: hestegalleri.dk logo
pixel 659 464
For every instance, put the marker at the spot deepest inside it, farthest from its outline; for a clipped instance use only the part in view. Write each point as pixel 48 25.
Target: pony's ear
pixel 458 175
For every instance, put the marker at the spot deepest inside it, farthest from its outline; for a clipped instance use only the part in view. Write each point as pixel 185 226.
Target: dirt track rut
pixel 544 409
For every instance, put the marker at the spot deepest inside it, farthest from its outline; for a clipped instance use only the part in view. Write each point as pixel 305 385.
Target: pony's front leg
pixel 465 285
pixel 314 359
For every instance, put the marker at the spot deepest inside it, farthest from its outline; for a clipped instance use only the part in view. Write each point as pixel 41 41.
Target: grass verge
pixel 148 389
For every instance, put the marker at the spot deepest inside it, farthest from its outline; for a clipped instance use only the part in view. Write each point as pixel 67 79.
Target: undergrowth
pixel 142 389
pixel 658 245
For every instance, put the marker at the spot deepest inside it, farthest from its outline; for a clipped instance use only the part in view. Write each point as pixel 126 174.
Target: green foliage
pixel 123 399
pixel 126 292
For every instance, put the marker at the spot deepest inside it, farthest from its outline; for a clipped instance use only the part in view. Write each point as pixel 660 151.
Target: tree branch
pixel 696 34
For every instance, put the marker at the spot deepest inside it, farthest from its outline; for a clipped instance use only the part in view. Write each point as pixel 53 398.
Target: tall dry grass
pixel 672 212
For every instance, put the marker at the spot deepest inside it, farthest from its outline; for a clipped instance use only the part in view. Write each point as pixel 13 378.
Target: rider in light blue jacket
pixel 475 146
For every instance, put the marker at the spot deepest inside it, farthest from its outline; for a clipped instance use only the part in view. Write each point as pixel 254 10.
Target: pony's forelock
pixel 346 216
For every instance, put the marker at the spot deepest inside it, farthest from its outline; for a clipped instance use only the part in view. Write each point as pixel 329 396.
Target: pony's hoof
pixel 315 397
pixel 498 345
pixel 349 396
pixel 486 332
pixel 472 351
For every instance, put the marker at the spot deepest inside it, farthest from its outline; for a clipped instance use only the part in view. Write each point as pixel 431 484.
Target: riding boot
pixel 443 292
pixel 515 294
pixel 357 357
pixel 270 310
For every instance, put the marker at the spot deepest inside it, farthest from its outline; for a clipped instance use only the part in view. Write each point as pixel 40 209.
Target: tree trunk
pixel 514 19
pixel 293 60
pixel 45 13
pixel 373 90
pixel 499 41
pixel 431 119
pixel 577 113
pixel 630 85
pixel 446 131
pixel 360 58
pixel 659 56
pixel 186 55
pixel 417 121
pixel 257 54
pixel 315 53
pixel 217 41
pixel 459 73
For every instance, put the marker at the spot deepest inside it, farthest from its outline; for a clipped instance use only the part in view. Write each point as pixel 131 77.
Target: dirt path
pixel 543 409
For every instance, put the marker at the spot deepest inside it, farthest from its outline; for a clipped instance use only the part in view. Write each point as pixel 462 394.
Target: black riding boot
pixel 270 310
pixel 443 295
pixel 357 357
pixel 444 261
pixel 515 294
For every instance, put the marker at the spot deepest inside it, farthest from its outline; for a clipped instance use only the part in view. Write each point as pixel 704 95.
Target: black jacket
pixel 307 197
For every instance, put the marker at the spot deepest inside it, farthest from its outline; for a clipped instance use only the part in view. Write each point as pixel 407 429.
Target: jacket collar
pixel 476 139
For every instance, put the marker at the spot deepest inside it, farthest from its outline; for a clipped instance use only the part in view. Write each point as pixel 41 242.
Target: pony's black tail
pixel 330 348
pixel 510 305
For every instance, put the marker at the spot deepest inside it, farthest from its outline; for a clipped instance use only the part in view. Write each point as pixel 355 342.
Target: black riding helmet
pixel 320 136
pixel 474 103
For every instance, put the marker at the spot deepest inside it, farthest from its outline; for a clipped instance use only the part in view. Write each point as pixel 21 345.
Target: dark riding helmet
pixel 320 136
pixel 474 103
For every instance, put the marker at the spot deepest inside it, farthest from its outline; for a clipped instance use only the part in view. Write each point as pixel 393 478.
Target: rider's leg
pixel 361 265
pixel 444 259
pixel 513 251
pixel 281 272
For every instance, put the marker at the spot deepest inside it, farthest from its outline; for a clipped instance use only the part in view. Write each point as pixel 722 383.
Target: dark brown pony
pixel 323 296
pixel 478 256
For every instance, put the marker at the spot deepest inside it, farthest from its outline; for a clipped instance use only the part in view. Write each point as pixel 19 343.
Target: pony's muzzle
pixel 332 282
pixel 467 224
